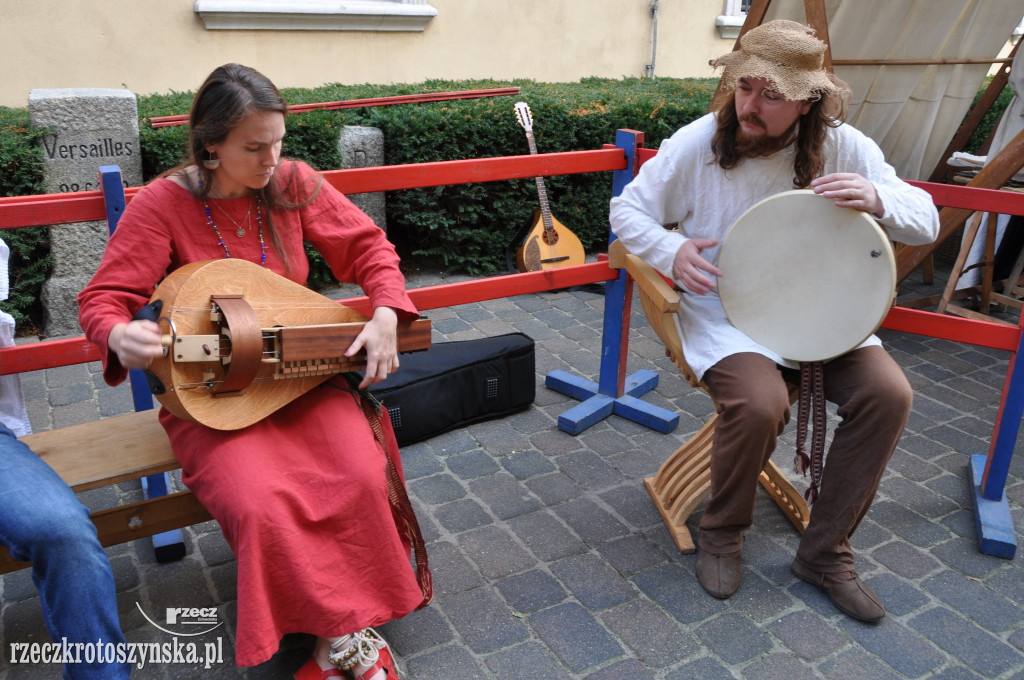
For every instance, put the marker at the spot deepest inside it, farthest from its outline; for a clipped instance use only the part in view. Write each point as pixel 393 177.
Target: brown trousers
pixel 752 395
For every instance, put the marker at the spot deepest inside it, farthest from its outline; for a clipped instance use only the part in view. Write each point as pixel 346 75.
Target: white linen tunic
pixel 683 185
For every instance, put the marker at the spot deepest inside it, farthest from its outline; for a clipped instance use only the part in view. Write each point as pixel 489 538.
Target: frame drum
pixel 804 278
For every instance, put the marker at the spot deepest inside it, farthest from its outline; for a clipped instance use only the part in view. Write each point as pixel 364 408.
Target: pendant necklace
pixel 259 223
pixel 240 230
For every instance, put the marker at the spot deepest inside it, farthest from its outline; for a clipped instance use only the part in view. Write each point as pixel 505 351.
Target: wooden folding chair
pixel 684 480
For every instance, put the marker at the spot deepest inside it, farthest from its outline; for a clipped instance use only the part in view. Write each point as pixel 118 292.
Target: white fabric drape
pixel 12 398
pixel 1010 125
pixel 912 111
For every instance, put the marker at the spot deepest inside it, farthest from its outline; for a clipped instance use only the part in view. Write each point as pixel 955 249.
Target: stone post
pixel 363 147
pixel 88 128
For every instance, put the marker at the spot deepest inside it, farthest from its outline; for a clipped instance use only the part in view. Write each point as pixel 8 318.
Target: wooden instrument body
pixel 549 247
pixel 302 336
pixel 805 278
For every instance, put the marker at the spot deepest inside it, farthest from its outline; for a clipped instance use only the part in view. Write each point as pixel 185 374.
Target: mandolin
pixel 241 341
pixel 548 243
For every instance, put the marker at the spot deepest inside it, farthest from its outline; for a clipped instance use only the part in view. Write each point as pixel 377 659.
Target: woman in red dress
pixel 302 495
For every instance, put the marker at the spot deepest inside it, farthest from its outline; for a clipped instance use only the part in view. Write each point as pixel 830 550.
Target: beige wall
pixel 155 46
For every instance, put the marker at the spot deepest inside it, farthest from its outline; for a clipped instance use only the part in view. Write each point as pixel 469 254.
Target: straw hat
pixel 784 52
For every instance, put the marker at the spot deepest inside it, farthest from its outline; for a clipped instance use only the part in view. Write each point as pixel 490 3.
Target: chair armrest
pixel 652 284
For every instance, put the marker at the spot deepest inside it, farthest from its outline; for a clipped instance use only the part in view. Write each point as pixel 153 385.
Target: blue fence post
pixel 614 393
pixel 169 545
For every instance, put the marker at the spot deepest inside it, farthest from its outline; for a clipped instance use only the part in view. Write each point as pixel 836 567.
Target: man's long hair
pixel 811 130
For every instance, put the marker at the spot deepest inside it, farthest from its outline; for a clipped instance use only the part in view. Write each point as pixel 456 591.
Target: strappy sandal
pixel 364 648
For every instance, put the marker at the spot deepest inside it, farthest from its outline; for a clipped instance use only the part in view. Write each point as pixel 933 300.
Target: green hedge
pixel 461 228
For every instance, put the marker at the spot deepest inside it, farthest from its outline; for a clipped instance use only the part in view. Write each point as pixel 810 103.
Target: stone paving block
pixel 652 635
pixel 904 560
pixel 679 592
pixel 630 669
pixel 462 515
pixel 575 636
pixel 808 635
pixel 974 600
pixel 908 524
pixel 902 648
pixel 707 668
pixel 504 495
pixel 418 461
pixel 733 638
pixel 531 591
pixel 591 522
pixel 780 667
pixel 527 464
pixel 507 664
pixel 966 641
pixel 545 536
pixel 963 556
pixel 631 554
pixel 495 552
pixel 417 631
pixel 472 464
pixel 452 571
pixel 452 662
pixel 856 664
pixel 554 488
pixel 483 620
pixel 593 582
pixel 437 489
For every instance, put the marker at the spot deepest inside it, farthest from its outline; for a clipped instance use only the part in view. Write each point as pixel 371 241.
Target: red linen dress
pixel 301 496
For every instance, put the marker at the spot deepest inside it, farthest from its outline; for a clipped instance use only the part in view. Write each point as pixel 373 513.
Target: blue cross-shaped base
pixel 596 406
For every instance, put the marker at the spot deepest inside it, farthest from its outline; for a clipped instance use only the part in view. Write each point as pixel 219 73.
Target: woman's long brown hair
pixel 230 94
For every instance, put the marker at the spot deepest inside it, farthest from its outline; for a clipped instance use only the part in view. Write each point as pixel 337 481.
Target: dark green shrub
pixel 21 157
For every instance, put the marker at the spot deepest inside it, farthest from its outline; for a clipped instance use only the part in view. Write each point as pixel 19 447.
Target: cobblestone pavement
pixel 550 560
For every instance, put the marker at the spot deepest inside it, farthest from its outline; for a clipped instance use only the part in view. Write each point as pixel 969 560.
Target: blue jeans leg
pixel 42 521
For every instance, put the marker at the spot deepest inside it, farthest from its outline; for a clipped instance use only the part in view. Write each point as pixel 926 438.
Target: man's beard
pixel 762 145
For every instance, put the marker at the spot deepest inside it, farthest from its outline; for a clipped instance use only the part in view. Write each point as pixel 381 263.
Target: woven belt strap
pixel 812 396
pixel 402 510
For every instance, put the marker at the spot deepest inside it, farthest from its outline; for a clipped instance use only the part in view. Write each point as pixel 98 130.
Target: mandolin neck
pixel 545 209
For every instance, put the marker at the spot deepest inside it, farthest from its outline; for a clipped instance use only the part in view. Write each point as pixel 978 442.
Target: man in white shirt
pixel 781 129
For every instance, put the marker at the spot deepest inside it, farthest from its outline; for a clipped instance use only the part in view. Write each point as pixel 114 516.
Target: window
pixel 315 15
pixel 730 21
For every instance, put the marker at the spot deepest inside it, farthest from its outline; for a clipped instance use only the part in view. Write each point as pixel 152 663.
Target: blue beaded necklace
pixel 259 222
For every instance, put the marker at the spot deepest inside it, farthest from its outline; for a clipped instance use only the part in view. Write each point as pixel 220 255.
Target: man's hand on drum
pixel 688 266
pixel 849 190
pixel 136 344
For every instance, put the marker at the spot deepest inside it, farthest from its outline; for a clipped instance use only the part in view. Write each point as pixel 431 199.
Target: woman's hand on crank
pixel 688 266
pixel 136 343
pixel 850 190
pixel 380 338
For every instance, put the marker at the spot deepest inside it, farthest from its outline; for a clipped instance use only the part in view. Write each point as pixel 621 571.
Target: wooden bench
pixel 134 446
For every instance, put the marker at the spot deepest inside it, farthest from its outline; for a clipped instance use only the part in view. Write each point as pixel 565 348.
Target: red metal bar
pixel 955 328
pixel 65 352
pixel 181 119
pixel 47 354
pixel 973 198
pixel 416 175
pixel 44 209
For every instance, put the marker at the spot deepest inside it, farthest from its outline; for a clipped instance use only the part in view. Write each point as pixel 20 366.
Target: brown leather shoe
pixel 719 574
pixel 847 592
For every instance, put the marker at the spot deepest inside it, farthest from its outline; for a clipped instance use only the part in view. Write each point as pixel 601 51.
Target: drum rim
pixel 880 306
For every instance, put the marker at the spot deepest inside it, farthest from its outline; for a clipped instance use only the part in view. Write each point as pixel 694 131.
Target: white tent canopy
pixel 912 110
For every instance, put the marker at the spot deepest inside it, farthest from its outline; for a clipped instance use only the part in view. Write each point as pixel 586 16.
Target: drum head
pixel 804 278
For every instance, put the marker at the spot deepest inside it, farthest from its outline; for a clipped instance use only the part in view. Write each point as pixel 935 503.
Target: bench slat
pixel 135 520
pixel 105 452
